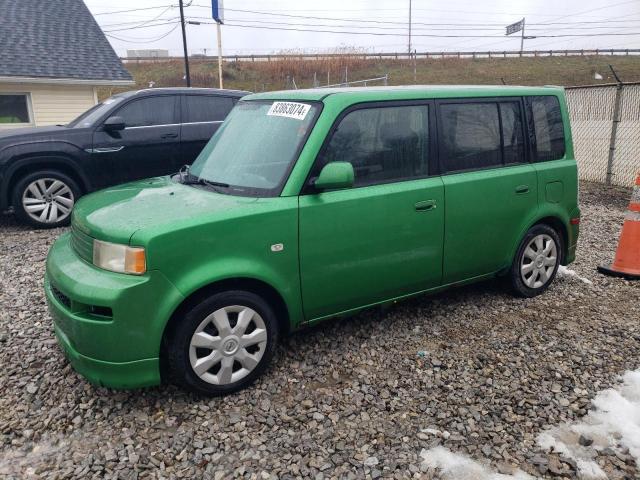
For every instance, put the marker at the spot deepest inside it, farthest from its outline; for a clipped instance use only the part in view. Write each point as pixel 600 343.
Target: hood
pixel 116 213
pixel 29 133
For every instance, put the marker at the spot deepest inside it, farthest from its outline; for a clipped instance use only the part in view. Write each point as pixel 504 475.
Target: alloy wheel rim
pixel 228 345
pixel 48 200
pixel 539 261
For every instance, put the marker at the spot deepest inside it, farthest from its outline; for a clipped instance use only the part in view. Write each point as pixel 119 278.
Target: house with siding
pixel 53 58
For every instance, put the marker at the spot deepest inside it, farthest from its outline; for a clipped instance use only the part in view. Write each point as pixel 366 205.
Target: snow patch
pixel 455 466
pixel 564 272
pixel 614 423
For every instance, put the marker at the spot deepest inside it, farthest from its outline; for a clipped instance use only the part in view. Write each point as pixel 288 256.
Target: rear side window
pixel 481 135
pixel 384 144
pixel 548 128
pixel 150 111
pixel 470 136
pixel 201 108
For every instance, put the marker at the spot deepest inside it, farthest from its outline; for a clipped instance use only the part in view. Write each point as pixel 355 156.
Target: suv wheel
pixel 45 199
pixel 223 344
pixel 537 261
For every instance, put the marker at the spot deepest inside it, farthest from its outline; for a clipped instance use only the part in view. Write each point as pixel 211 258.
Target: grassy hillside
pixel 258 76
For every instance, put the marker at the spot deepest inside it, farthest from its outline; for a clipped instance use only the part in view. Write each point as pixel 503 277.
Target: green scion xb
pixel 307 205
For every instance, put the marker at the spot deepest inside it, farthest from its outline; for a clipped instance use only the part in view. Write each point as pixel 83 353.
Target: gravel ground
pixel 349 398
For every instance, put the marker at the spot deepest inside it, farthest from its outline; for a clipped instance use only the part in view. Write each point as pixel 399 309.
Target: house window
pixel 14 108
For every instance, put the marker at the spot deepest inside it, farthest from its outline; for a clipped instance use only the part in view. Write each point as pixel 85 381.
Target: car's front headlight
pixel 119 258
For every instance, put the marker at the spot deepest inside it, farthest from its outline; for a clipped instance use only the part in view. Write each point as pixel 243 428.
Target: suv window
pixel 383 144
pixel 470 136
pixel 146 112
pixel 545 114
pixel 201 108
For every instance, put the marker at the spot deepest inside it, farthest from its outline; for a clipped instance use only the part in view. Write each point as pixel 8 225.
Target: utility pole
pixel 219 53
pixel 409 49
pixel 522 38
pixel 184 45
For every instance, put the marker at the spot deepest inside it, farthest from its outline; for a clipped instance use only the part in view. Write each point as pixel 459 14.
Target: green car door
pixel 490 188
pixel 382 238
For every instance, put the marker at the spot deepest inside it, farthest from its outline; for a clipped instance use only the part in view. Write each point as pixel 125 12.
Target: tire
pixel 45 199
pixel 215 362
pixel 536 262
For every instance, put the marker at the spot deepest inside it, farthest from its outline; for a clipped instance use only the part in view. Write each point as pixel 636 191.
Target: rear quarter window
pixel 546 128
pixel 201 108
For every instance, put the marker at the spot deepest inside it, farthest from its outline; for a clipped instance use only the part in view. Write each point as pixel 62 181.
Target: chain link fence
pixel 605 121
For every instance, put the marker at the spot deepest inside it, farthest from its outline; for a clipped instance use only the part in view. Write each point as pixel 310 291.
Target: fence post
pixel 614 131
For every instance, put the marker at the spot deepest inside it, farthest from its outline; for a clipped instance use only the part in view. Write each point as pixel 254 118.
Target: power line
pixel 169 32
pixel 403 24
pixel 273 22
pixel 137 22
pixel 418 35
pixel 138 27
pixel 575 14
pixel 360 20
pixel 131 10
pixel 143 22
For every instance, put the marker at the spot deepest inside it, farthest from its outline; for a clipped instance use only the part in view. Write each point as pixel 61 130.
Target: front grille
pixel 82 244
pixel 61 297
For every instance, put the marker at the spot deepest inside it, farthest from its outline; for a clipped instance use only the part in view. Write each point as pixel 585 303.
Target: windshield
pixel 255 147
pixel 88 118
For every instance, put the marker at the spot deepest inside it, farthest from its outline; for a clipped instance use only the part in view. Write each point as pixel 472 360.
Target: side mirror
pixel 335 175
pixel 114 124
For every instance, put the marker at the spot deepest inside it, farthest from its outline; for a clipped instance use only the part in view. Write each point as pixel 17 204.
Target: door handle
pixel 425 205
pixel 169 135
pixel 520 189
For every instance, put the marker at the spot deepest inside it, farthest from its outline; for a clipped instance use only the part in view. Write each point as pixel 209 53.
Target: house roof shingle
pixel 55 39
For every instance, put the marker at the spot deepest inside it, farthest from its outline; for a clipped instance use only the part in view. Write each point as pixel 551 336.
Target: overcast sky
pixel 387 18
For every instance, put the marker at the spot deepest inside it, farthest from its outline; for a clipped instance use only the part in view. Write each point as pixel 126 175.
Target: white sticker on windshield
pixel 289 109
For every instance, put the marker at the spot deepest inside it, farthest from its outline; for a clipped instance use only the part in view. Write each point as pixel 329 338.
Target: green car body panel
pixel 337 251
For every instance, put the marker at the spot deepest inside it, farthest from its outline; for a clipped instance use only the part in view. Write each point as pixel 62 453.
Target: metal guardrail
pixel 399 55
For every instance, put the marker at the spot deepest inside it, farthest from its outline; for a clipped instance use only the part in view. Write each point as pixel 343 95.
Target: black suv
pixel 129 136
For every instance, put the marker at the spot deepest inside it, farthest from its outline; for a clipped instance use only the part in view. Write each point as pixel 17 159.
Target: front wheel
pixel 536 262
pixel 223 344
pixel 45 199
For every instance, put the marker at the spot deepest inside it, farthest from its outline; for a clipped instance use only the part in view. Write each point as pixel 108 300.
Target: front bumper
pixel 109 325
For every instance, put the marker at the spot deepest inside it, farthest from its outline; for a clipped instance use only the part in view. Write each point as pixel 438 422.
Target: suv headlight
pixel 119 258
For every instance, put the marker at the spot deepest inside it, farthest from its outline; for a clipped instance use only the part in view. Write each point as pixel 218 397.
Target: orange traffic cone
pixel 627 261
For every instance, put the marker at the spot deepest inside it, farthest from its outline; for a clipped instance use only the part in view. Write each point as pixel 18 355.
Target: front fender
pixel 256 241
pixel 60 160
pixel 239 268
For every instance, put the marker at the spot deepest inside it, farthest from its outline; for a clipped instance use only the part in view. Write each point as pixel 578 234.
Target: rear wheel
pixel 223 344
pixel 537 261
pixel 45 199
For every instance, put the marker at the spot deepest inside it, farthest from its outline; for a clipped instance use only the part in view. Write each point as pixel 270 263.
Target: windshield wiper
pixel 214 184
pixel 187 178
